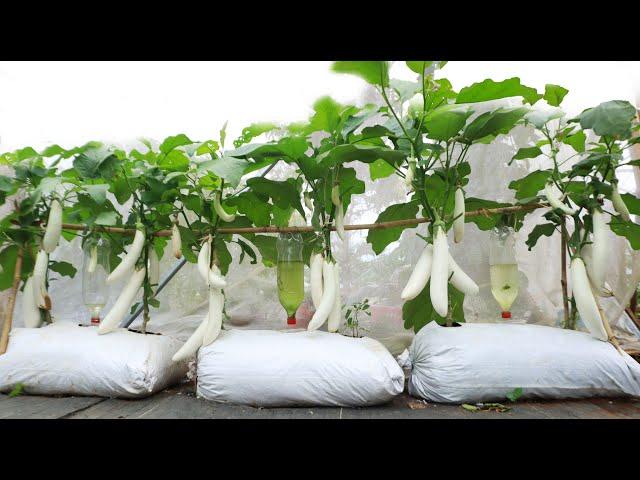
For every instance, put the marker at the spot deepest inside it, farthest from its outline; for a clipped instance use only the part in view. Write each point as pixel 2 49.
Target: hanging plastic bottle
pixel 290 273
pixel 95 270
pixel 503 268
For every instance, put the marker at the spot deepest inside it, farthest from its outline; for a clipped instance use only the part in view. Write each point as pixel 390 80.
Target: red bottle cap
pixel 95 320
pixel 291 320
pixel 506 314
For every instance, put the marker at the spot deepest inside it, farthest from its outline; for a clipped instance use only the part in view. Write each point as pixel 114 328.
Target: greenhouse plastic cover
pixel 271 369
pixel 480 363
pixel 252 299
pixel 66 359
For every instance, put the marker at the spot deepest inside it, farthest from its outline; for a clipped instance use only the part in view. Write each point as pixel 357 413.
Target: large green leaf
pixel 483 222
pixel 539 116
pixel 254 206
pixel 97 192
pixel 379 239
pixel 613 118
pixel 491 90
pixel 418 312
pixel 362 153
pixel 497 122
pixel 227 167
pixel 530 185
pixel 327 115
pixel 554 94
pixel 283 194
pixel 171 143
pixel 546 229
pixel 576 141
pixel 632 202
pixel 252 131
pixel 380 169
pixel 527 152
pixel 63 268
pixel 350 185
pixel 96 163
pixel 629 230
pixel 374 72
pixel 446 121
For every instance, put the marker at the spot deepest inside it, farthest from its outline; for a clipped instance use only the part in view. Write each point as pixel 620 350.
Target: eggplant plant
pixel 575 192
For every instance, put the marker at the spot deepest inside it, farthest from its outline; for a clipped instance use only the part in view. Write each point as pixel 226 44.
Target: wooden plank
pixel 621 408
pixel 33 406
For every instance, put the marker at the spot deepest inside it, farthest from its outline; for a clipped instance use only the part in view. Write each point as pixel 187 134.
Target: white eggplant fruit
pixel 40 294
pixel 555 202
pixel 600 257
pixel 192 345
pixel 411 172
pixel 460 279
pixel 215 278
pixel 123 303
pixel 328 298
pixel 438 289
pixel 176 241
pixel 214 321
pixel 618 204
pixel 420 275
pixel 336 313
pixel 30 311
pixel 340 221
pixel 54 227
pixel 154 267
pixel 204 260
pixel 316 278
pixel 458 214
pixel 335 195
pixel 585 301
pixel 128 263
pixel 224 216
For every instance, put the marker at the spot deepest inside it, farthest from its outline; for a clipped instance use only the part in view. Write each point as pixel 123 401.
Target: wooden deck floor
pixel 181 402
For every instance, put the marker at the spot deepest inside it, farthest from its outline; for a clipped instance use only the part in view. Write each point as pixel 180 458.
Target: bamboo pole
pixel 272 229
pixel 8 317
pixel 563 277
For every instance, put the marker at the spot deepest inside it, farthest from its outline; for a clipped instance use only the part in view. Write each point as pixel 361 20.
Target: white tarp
pixel 270 368
pixel 485 362
pixel 65 359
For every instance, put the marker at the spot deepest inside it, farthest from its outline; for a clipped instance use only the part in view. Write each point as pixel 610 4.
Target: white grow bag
pixel 271 368
pixel 66 359
pixel 484 362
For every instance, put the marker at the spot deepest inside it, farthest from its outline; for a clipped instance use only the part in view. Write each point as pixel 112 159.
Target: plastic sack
pixel 484 362
pixel 270 368
pixel 66 359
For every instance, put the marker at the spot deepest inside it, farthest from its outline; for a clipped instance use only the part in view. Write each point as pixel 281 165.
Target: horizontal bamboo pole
pixel 364 226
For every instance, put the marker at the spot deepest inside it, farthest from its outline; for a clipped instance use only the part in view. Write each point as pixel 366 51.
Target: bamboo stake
pixel 563 278
pixel 271 229
pixel 8 317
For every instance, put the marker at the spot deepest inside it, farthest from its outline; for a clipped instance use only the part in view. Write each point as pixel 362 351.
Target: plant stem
pixel 563 277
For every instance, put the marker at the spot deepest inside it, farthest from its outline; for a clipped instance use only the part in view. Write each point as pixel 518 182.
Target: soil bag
pixel 271 368
pixel 66 359
pixel 483 362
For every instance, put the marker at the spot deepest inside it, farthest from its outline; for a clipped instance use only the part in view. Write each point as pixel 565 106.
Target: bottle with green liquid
pixel 290 273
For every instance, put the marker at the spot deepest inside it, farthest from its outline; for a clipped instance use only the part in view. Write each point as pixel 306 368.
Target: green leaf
pixel 576 141
pixel 63 268
pixel 471 408
pixel 8 261
pixel 379 239
pixel 254 206
pixel 97 192
pixel 540 116
pixel 266 245
pixel 350 185
pixel 96 163
pixel 530 185
pixel 418 312
pixel 327 115
pixel 614 118
pixel 515 394
pixel 106 218
pixel 497 122
pixel 527 152
pixel 446 121
pixel 362 153
pixel 374 72
pixel 546 229
pixel 283 194
pixel 553 94
pixel 6 184
pixel 252 131
pixel 380 169
pixel 229 168
pixel 490 90
pixel 629 230
pixel 404 88
pixel 483 222
pixel 17 390
pixel 632 202
pixel 171 143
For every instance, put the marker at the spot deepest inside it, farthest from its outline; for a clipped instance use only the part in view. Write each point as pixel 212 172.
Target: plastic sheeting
pixel 480 363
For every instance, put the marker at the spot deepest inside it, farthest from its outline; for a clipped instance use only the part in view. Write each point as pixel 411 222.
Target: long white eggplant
pixel 30 311
pixel 336 313
pixel 458 214
pixel 328 298
pixel 411 172
pixel 215 278
pixel 176 241
pixel 128 263
pixel 555 202
pixel 585 301
pixel 123 303
pixel 600 255
pixel 54 227
pixel 224 216
pixel 192 345
pixel 440 273
pixel 340 221
pixel 461 280
pixel 316 278
pixel 618 203
pixel 154 267
pixel 335 195
pixel 420 275
pixel 40 294
pixel 204 259
pixel 214 322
